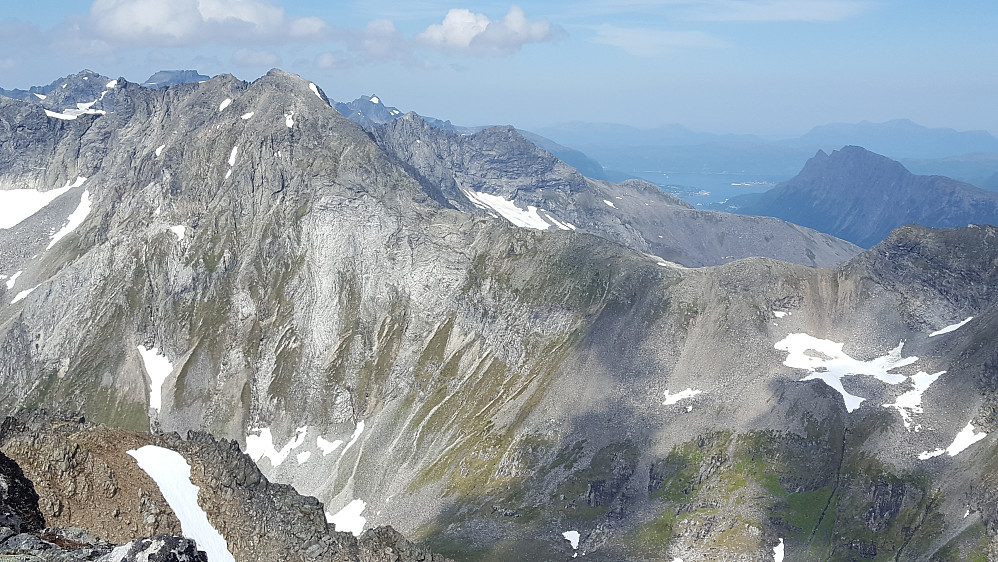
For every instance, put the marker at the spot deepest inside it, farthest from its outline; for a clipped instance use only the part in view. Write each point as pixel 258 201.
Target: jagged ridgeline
pixel 463 337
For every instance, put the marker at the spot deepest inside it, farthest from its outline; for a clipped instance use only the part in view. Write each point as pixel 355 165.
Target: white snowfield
pixel 609 203
pixel 75 218
pixel 573 539
pixel 19 204
pixel 69 114
pixel 225 103
pixel 826 361
pixel 262 445
pixel 950 328
pixel 232 155
pixel 349 519
pixel 315 90
pixel 180 230
pixel 523 218
pixel 21 296
pixel 964 439
pixel 289 119
pixel 326 446
pixel 159 149
pixel 158 367
pixel 681 395
pixel 171 472
pixel 13 279
pixel 353 439
pixel 911 402
pixel 246 116
pixel 778 552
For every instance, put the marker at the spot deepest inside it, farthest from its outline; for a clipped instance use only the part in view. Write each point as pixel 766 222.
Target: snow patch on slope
pixel 262 445
pixel 171 472
pixel 179 230
pixel 356 435
pixel 911 402
pixel 19 204
pixel 158 367
pixel 13 279
pixel 327 447
pixel 75 219
pixel 964 439
pixel 349 519
pixel 508 209
pixel 21 296
pixel 688 393
pixel 828 363
pixel 225 103
pixel 950 328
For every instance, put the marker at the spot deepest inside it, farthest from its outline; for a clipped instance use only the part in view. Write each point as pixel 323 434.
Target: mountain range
pixel 459 335
pixel 860 196
pixel 970 156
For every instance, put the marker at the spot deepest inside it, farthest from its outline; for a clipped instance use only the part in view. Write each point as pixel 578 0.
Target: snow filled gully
pixel 171 472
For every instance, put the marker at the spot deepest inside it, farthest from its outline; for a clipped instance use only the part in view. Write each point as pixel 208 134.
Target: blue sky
pixel 774 67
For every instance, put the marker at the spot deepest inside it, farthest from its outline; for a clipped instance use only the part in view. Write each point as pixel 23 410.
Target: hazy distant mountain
pixel 861 196
pixel 165 78
pixel 580 132
pixel 656 153
pixel 977 168
pixel 899 138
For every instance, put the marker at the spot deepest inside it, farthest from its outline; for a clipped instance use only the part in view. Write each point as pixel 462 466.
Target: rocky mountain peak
pixel 852 163
pixel 861 196
pixel 165 78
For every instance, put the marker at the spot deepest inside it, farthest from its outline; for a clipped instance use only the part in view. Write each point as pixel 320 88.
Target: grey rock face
pixel 861 196
pixel 83 93
pixel 18 499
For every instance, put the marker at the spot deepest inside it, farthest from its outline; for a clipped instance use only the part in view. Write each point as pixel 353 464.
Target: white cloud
pixel 256 58
pixel 381 40
pixel 329 60
pixel 644 42
pixel 466 31
pixel 188 22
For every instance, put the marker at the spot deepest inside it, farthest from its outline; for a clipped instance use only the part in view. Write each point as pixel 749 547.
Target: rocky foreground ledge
pixel 70 490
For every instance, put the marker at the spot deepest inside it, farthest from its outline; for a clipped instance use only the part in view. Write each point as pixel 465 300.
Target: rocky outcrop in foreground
pixel 79 476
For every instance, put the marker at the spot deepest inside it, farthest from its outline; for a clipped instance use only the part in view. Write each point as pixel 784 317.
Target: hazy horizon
pixel 774 68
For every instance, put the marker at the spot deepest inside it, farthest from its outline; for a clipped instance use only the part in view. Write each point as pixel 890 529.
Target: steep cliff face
pixel 498 171
pixel 346 307
pixel 861 196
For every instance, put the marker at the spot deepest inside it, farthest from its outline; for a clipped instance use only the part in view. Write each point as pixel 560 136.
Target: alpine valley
pixel 391 338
